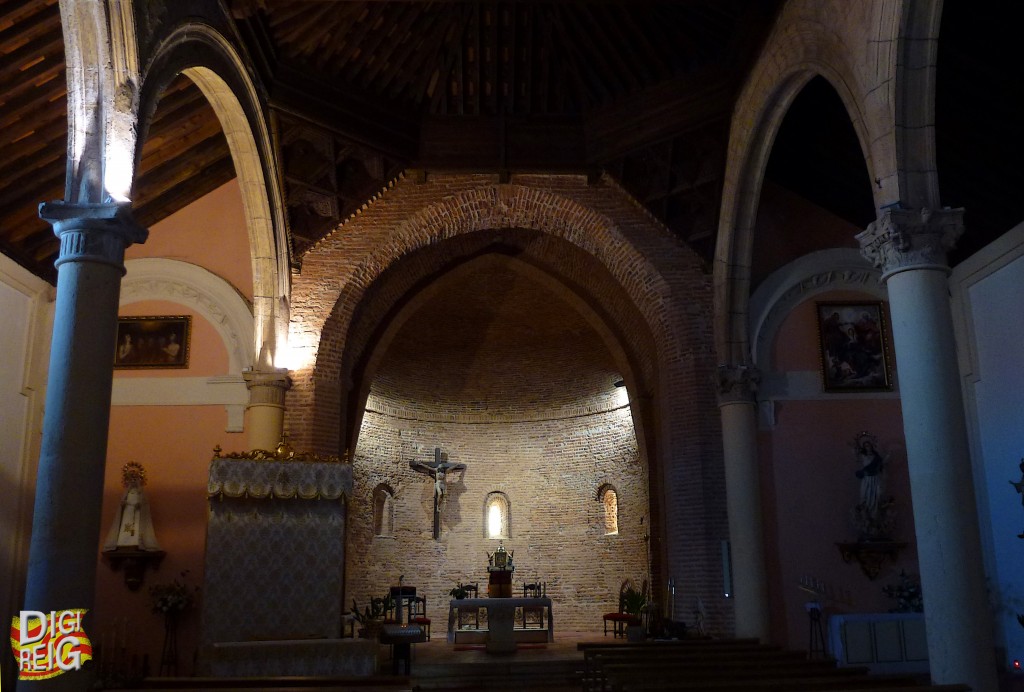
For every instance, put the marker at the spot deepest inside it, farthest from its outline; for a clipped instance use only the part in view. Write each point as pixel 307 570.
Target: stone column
pixel 69 486
pixel 910 247
pixel 267 387
pixel 737 385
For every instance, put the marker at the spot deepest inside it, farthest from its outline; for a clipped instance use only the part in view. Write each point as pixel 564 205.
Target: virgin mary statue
pixel 133 525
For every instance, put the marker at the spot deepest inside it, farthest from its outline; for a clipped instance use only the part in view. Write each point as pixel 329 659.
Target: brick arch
pixel 808 41
pixel 476 209
pixel 662 290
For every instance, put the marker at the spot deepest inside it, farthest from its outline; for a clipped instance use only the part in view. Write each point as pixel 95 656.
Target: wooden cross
pixel 437 470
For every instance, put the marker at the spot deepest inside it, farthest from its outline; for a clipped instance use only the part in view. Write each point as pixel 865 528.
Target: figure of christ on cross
pixel 437 470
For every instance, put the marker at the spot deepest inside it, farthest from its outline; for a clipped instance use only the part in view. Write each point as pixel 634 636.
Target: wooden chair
pixel 533 614
pixel 418 614
pixel 472 615
pixel 620 619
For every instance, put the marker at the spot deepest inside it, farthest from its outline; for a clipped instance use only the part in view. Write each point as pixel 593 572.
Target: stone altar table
pixel 500 619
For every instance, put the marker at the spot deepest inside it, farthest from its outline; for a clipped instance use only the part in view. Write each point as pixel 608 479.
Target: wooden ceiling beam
pixel 42 80
pixel 302 26
pixel 524 99
pixel 16 64
pixel 386 59
pixel 576 75
pixel 179 170
pixel 182 143
pixel 52 134
pixel 659 113
pixel 24 220
pixel 14 12
pixel 612 59
pixel 352 117
pixel 38 102
pixel 490 59
pixel 430 42
pixel 356 34
pixel 30 29
pixel 20 191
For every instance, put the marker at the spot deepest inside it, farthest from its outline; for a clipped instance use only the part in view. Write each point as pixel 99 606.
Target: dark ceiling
pixel 363 90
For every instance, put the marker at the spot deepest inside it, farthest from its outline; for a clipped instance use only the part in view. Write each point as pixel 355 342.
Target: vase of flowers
pixel 171 600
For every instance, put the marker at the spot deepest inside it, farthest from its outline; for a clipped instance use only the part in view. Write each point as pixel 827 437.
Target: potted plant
pixel 371 618
pixel 459 592
pixel 634 602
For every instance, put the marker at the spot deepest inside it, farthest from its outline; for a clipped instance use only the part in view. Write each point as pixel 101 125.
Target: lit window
pixel 383 511
pixel 496 516
pixel 610 499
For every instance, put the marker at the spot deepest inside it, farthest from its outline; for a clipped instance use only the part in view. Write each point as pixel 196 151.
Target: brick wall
pixel 505 376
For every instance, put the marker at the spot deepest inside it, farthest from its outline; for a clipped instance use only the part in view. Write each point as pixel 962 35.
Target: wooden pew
pixel 727 666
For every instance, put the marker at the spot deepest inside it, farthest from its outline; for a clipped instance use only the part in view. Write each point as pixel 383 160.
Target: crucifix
pixel 437 470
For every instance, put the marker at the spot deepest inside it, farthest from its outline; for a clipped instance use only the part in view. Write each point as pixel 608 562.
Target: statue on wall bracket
pixel 875 514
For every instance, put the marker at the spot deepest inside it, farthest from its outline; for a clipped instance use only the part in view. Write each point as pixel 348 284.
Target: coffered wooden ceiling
pixel 363 90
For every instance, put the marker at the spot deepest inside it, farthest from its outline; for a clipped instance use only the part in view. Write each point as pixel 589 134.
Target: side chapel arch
pixel 800 48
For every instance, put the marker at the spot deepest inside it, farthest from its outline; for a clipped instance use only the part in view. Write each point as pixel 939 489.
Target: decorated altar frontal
pixel 272 592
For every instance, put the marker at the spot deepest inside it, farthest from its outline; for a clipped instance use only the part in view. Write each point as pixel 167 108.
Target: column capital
pixel 902 239
pixel 737 384
pixel 96 233
pixel 267 386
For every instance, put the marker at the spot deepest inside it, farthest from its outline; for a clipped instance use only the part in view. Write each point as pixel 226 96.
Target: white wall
pixel 26 310
pixel 988 304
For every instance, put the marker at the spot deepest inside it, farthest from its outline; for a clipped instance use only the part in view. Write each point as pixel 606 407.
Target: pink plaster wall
pixel 173 443
pixel 808 471
pixel 210 232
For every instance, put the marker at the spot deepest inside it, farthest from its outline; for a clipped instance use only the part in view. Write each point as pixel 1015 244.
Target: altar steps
pixel 497 674
pixel 375 683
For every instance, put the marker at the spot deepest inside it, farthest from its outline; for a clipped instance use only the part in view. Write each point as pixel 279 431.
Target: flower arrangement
pixel 907 593
pixel 175 597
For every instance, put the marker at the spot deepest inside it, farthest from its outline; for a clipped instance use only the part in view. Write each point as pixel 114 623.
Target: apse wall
pixel 505 377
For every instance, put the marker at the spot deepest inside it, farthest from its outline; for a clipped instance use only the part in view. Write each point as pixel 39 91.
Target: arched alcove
pixel 500 370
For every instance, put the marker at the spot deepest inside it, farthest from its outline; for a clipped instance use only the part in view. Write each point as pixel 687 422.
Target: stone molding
pixel 904 239
pixel 836 269
pixel 208 294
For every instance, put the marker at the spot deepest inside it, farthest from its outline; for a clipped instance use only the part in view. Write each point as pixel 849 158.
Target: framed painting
pixel 153 342
pixel 853 347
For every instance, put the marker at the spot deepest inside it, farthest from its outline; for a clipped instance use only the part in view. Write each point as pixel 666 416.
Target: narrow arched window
pixel 610 501
pixel 383 511
pixel 496 516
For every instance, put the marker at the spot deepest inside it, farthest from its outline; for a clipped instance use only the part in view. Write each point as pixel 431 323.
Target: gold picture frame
pixel 853 346
pixel 153 342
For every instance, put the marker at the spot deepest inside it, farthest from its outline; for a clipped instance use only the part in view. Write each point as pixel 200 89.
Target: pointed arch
pixel 205 56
